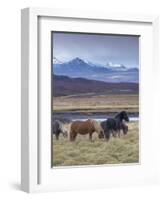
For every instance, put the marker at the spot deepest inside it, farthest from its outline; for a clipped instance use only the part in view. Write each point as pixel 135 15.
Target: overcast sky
pixel 97 48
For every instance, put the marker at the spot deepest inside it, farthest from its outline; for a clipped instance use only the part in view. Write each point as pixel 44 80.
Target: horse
pixel 85 127
pixel 124 128
pixel 57 128
pixel 98 128
pixel 114 125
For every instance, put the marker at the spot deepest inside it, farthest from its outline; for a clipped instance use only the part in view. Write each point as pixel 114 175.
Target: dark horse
pixel 114 125
pixel 86 127
pixel 57 128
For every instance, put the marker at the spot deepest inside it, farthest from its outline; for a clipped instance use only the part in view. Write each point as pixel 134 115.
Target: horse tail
pixel 72 133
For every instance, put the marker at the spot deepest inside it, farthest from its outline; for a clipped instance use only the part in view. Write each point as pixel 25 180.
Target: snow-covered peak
pixel 77 61
pixel 120 67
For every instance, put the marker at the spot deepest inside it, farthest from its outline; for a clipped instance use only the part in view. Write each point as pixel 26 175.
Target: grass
pixel 84 152
pixel 97 103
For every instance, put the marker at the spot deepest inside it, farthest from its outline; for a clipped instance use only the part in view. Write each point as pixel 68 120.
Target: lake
pixel 96 116
pixel 132 119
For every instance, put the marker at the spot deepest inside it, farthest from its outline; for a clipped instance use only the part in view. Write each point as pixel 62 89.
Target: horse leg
pixel 90 136
pixel 119 133
pixel 57 136
pixel 72 136
pixel 114 133
pixel 107 136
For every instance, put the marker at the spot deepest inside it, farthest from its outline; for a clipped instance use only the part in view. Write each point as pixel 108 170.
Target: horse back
pixel 111 124
pixel 82 127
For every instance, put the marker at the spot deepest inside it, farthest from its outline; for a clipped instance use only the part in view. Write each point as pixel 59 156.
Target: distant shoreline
pixel 72 115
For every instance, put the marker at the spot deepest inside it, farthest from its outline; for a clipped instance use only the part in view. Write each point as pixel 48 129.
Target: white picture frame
pixel 36 171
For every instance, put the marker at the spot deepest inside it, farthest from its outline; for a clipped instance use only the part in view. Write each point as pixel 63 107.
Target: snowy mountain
pixel 85 69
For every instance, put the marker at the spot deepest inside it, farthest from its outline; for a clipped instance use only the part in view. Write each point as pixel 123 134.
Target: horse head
pixel 64 130
pixel 125 116
pixel 101 134
pixel 122 116
pixel 65 133
pixel 98 128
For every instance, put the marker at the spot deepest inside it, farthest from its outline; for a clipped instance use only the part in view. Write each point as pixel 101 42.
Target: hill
pixel 64 85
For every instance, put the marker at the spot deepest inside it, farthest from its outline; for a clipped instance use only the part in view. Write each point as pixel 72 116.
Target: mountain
pixel 80 68
pixel 64 85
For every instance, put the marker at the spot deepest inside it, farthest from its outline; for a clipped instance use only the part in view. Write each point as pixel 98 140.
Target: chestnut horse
pixel 85 127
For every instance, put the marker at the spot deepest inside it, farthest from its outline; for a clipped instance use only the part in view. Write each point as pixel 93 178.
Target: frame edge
pixel 29 100
pixel 24 100
pixel 29 183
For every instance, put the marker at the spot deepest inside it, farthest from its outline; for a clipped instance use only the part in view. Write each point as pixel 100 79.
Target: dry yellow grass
pixel 100 103
pixel 84 152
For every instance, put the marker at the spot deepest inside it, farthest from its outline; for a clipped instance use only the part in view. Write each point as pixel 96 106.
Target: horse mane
pixel 58 122
pixel 67 127
pixel 119 115
pixel 97 125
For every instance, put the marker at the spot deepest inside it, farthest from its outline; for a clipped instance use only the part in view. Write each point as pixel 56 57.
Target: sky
pixel 97 48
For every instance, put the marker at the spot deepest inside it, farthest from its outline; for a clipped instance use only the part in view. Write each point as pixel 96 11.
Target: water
pixel 97 116
pixel 132 119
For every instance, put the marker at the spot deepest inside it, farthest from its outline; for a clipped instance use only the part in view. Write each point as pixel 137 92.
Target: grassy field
pixel 85 152
pixel 97 103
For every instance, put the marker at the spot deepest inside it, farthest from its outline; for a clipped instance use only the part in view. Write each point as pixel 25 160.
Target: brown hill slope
pixel 64 85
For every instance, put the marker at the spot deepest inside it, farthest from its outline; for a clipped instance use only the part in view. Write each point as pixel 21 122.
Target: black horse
pixel 114 125
pixel 57 128
pixel 124 129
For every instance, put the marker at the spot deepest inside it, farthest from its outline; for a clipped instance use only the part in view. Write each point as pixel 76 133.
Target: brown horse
pixel 85 127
